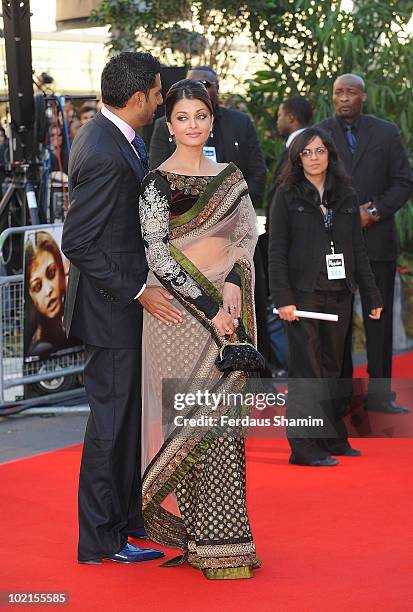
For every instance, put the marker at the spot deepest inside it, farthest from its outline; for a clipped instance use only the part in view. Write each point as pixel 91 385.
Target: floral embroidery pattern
pixel 154 216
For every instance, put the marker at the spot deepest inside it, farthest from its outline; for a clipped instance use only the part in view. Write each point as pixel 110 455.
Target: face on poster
pixel 45 282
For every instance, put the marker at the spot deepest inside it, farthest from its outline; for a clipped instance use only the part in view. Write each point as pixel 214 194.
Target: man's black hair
pixel 206 69
pixel 127 73
pixel 300 108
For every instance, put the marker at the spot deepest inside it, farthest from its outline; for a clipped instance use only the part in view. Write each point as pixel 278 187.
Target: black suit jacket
pixel 102 238
pixel 298 244
pixel 277 173
pixel 381 172
pixel 235 140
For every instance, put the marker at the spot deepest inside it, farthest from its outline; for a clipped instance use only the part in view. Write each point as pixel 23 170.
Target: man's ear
pixel 139 98
pixel 364 96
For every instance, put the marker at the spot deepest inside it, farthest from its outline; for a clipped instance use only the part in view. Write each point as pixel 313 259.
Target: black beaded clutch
pixel 240 356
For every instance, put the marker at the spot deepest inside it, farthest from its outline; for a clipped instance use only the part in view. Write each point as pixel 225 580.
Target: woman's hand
pixel 224 322
pixel 287 313
pixel 232 300
pixel 375 313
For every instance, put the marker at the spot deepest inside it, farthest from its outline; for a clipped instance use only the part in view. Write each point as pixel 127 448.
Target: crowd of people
pixel 61 130
pixel 160 288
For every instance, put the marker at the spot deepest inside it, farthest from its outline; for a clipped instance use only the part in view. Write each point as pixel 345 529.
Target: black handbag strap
pixel 241 333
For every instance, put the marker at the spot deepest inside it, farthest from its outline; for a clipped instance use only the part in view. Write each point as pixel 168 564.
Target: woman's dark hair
pixel 186 90
pixel 293 173
pixel 41 242
pixel 127 73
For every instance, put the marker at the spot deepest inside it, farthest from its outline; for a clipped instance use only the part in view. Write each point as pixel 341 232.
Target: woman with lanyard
pixel 317 258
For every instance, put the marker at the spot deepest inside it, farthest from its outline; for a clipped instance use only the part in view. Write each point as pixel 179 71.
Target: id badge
pixel 335 266
pixel 211 153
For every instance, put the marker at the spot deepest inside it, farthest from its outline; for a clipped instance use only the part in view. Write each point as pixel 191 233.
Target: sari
pixel 194 484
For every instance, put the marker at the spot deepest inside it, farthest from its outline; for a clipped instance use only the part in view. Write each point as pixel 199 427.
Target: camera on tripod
pixel 35 188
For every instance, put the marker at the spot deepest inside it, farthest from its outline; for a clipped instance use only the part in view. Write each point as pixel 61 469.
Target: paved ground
pixel 25 435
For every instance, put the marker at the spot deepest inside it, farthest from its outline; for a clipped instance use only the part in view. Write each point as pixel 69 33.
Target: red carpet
pixel 332 539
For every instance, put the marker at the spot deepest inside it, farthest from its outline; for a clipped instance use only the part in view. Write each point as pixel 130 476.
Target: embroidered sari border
pixel 203 198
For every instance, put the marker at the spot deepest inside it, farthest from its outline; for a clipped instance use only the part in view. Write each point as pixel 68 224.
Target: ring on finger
pixel 232 307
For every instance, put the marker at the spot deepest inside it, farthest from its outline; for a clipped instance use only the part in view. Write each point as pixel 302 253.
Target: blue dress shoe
pixel 133 554
pixel 322 462
pixel 139 533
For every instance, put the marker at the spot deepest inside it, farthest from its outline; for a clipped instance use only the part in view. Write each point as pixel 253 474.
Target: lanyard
pixel 328 219
pixel 328 225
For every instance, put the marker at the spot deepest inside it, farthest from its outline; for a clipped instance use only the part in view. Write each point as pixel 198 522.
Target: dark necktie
pixel 139 145
pixel 351 139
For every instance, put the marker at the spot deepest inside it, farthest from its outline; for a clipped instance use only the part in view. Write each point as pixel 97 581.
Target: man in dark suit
pixel 374 156
pixel 233 138
pixel 106 292
pixel 294 115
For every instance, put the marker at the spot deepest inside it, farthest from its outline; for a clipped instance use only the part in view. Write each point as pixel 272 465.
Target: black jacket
pixel 102 238
pixel 297 244
pixel 282 160
pixel 235 140
pixel 380 172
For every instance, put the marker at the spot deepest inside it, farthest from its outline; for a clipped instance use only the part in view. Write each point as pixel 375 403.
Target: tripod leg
pixel 32 204
pixel 7 198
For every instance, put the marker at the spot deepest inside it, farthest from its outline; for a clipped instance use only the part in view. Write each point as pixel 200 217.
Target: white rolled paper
pixel 307 314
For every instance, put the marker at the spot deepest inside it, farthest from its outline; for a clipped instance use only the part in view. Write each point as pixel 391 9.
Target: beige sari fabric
pixel 194 480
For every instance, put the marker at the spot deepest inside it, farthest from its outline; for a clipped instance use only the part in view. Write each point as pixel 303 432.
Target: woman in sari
pixel 199 229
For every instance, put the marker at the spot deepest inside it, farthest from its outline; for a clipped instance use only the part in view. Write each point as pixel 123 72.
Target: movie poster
pixel 46 272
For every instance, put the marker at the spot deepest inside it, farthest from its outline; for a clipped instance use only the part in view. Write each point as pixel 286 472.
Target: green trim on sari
pixel 193 271
pixel 193 212
pixel 170 470
pixel 228 573
pixel 187 464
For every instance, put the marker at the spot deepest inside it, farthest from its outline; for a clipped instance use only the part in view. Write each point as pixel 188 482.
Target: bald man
pixel 375 158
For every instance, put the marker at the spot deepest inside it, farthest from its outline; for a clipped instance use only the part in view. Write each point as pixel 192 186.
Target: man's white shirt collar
pixel 124 127
pixel 292 136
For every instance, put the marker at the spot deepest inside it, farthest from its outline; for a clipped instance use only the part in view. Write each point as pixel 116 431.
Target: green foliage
pixel 307 43
pixel 182 32
pixel 123 18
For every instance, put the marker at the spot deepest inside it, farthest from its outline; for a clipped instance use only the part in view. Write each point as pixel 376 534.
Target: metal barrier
pixel 14 372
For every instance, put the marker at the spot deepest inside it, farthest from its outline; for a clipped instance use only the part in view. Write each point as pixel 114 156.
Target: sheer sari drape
pixel 194 482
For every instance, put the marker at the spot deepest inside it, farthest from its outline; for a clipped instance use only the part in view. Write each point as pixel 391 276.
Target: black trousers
pixel 379 338
pixel 315 363
pixel 110 483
